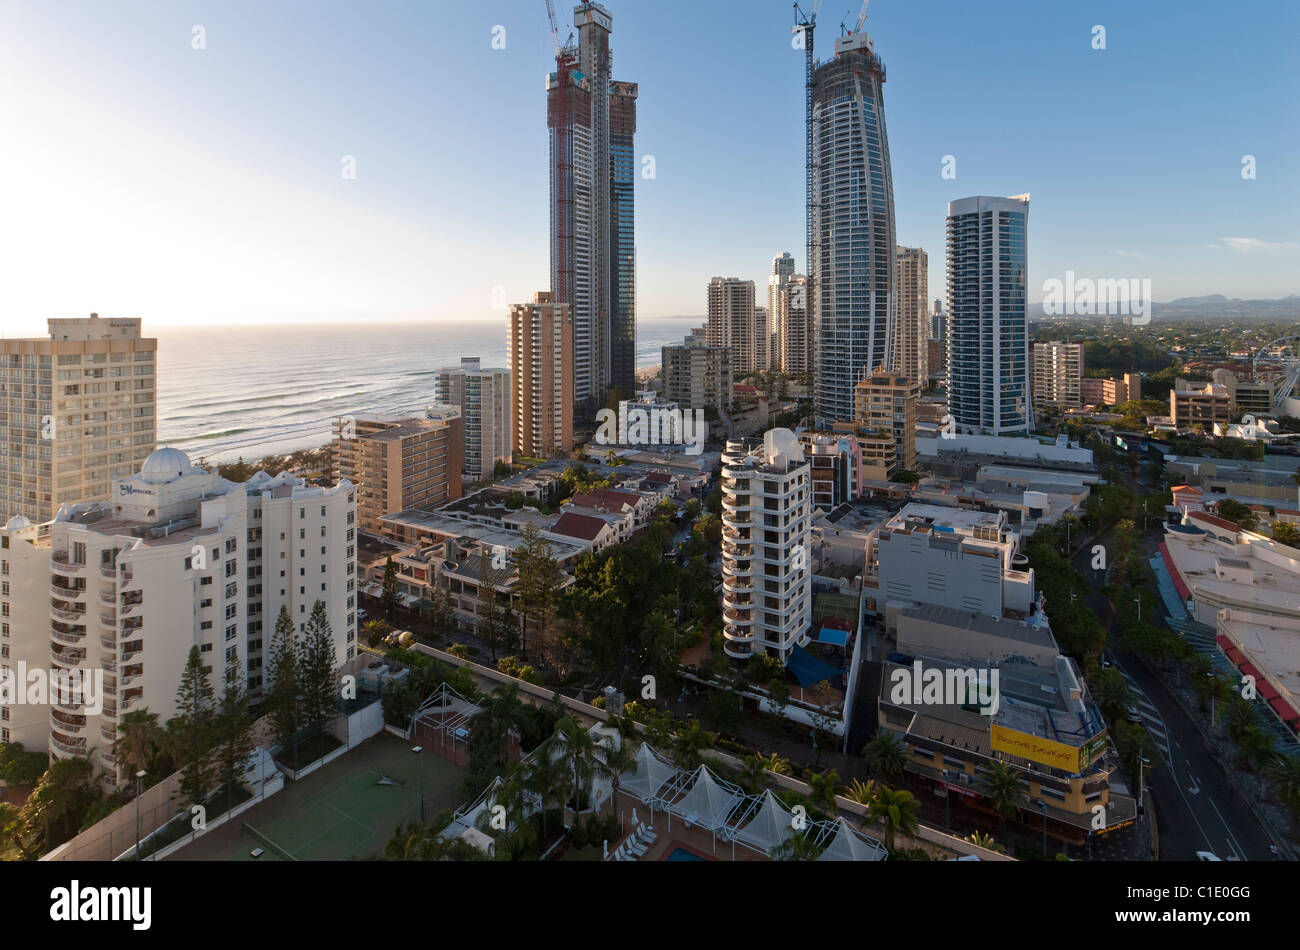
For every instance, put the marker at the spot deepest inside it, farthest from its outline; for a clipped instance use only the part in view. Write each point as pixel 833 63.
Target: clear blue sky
pixel 152 179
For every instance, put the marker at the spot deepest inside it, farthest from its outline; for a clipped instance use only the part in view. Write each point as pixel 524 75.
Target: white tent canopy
pixel 650 776
pixel 707 803
pixel 770 828
pixel 849 845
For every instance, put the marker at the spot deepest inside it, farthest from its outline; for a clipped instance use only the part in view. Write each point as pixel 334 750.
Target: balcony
pixel 68 658
pixel 108 643
pixel 68 723
pixel 743 617
pixel 108 622
pixel 68 616
pixel 737 586
pixel 63 747
pixel 738 650
pixel 108 735
pixel 70 638
pixel 59 561
pixel 108 664
pixel 738 568
pixel 66 593
pixel 108 572
pixel 108 598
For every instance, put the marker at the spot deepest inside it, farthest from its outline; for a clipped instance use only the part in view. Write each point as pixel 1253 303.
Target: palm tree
pixel 752 776
pixel 982 840
pixel 1284 770
pixel 1003 790
pixel 374 631
pixel 580 756
pixel 138 738
pixel 619 759
pixel 885 756
pixel 549 780
pixel 822 790
pixel 690 743
pixel 863 793
pixel 896 808
pixel 798 847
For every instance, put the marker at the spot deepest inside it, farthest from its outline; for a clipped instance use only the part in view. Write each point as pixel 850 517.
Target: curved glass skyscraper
pixel 852 269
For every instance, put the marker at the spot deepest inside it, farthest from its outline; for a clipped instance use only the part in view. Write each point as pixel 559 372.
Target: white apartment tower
pixel 1056 375
pixel 180 558
pixel 782 274
pixel 732 322
pixel 766 520
pixel 76 413
pixel 911 339
pixel 795 319
pixel 483 397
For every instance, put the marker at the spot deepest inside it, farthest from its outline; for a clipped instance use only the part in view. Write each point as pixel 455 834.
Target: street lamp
pixel 419 750
pixel 1138 600
pixel 139 781
pixel 1211 676
pixel 1043 805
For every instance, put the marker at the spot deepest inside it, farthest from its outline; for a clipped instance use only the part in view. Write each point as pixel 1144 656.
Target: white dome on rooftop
pixel 165 464
pixel 17 523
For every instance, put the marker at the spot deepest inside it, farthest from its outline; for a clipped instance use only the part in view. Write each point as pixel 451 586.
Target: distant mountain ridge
pixel 1217 305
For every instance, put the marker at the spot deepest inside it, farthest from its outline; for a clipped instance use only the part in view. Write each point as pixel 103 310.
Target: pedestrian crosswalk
pixel 1151 721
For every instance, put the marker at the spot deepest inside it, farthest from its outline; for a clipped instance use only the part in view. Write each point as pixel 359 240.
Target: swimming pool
pixel 681 854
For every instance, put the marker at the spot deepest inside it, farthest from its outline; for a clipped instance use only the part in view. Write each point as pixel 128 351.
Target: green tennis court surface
pixel 348 809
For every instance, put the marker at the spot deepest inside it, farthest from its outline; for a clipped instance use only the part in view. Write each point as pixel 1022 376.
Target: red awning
pixel 1250 671
pixel 1223 641
pixel 1284 709
pixel 1233 654
pixel 1266 690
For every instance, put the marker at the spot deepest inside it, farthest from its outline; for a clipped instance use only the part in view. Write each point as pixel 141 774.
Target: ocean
pixel 249 391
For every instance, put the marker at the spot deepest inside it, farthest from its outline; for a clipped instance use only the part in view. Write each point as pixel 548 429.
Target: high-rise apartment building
pixel 1056 375
pixel 541 357
pixel 796 327
pixel 938 322
pixel 77 411
pixel 988 318
pixel 852 271
pixel 782 274
pixel 483 398
pixel 733 323
pixel 912 333
pixel 766 521
pixel 697 376
pixel 181 557
pixel 886 401
pixel 398 464
pixel 592 123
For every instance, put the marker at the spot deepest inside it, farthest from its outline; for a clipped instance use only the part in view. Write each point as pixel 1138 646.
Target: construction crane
pixel 807 25
pixel 565 61
pixel 862 16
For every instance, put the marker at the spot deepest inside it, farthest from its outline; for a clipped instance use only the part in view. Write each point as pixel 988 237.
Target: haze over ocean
pixel 231 391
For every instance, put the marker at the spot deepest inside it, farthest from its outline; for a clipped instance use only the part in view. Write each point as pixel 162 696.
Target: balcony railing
pixel 67 593
pixel 68 748
pixel 59 561
pixel 108 622
pixel 71 639
pixel 70 658
pixel 108 597
pixel 108 572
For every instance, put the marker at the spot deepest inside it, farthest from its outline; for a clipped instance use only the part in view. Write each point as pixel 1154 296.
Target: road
pixel 1197 809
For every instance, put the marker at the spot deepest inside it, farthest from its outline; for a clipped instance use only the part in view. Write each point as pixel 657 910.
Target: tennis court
pixel 348 809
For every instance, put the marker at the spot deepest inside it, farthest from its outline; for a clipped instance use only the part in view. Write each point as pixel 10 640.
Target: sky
pixel 148 174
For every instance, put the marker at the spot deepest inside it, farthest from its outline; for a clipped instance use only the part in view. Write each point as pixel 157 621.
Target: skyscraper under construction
pixel 852 271
pixel 592 123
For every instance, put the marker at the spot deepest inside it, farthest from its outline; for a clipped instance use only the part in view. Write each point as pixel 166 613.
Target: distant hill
pixel 1217 306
